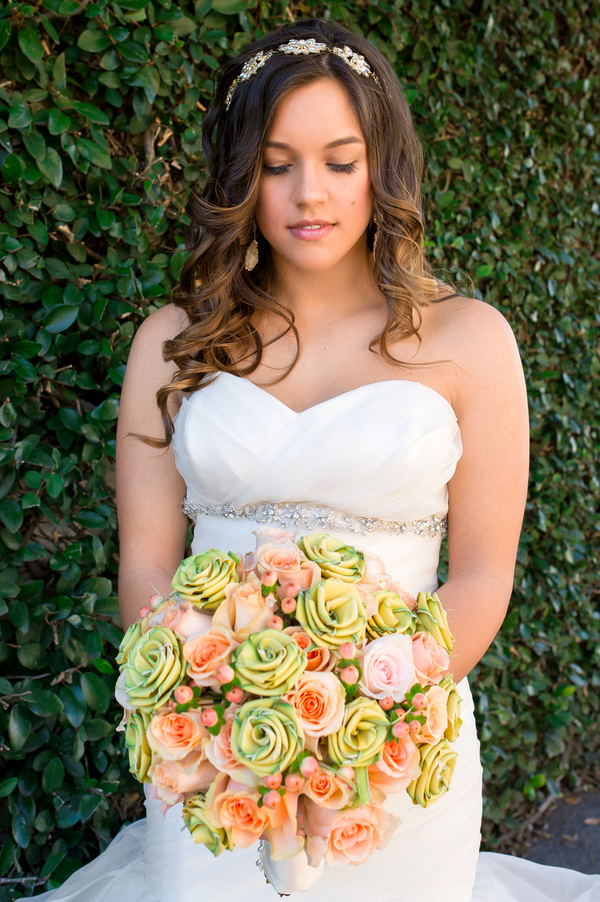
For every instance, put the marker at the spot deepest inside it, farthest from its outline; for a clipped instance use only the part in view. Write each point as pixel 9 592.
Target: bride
pixel 312 361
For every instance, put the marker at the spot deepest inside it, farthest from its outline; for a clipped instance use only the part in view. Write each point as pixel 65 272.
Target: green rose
pixel 392 616
pixel 437 766
pixel 196 818
pixel 128 641
pixel 202 578
pixel 431 618
pixel 454 700
pixel 362 736
pixel 140 753
pixel 333 557
pixel 266 735
pixel 268 663
pixel 155 666
pixel 332 612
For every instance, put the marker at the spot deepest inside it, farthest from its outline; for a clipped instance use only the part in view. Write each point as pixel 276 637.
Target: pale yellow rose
pixel 202 578
pixel 392 616
pixel 266 735
pixel 432 619
pixel 335 558
pixel 437 766
pixel 154 668
pixel 197 818
pixel 454 700
pixel 362 735
pixel 140 753
pixel 268 663
pixel 332 612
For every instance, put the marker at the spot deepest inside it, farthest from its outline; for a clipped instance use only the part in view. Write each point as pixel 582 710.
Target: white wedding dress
pixel 362 462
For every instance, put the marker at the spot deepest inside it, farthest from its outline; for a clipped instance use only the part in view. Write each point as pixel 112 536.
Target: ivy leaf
pixel 50 29
pixel 95 154
pixel 19 116
pixel 59 72
pixel 60 318
pixel 95 692
pixel 93 41
pixel 12 169
pixel 92 113
pixel 58 122
pixel 7 786
pixel 36 145
pixel 30 44
pixel 19 727
pixel 52 168
pixel 11 514
pixel 43 702
pixel 53 775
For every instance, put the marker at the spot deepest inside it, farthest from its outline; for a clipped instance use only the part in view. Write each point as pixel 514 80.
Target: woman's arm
pixel 487 493
pixel 152 527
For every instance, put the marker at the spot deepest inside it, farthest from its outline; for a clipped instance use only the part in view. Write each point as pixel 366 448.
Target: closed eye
pixel 335 167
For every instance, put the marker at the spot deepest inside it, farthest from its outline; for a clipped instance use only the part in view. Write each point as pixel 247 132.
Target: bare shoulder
pixel 162 325
pixel 479 346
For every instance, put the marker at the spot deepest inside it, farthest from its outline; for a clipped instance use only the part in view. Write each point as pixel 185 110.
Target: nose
pixel 309 187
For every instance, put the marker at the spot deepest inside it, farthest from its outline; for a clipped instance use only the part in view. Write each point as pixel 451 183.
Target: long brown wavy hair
pixel 221 297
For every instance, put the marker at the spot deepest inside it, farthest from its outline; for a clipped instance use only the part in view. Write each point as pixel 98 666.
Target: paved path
pixel 571 834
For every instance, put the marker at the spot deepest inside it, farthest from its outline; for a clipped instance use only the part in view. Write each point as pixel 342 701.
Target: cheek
pixel 269 207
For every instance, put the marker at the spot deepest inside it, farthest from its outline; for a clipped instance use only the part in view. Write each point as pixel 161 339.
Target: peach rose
pixel 346 837
pixel 218 751
pixel 374 571
pixel 329 790
pixel 236 809
pixel 436 713
pixel 207 653
pixel 245 609
pixel 181 617
pixel 173 779
pixel 409 600
pixel 289 563
pixel 398 766
pixel 431 659
pixel 319 659
pixel 319 700
pixel 387 667
pixel 173 736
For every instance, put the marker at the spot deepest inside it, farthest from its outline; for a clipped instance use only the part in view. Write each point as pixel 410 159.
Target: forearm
pixel 476 605
pixel 136 587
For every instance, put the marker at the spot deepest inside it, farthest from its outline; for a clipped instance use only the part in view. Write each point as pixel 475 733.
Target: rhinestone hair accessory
pixel 356 62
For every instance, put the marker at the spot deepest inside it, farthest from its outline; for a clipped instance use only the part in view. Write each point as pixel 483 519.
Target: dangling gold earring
pixel 251 255
pixel 376 223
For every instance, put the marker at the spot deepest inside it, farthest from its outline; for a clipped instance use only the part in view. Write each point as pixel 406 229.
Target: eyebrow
pixel 340 142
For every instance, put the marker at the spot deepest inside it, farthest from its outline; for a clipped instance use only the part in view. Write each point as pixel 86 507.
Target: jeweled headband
pixel 252 66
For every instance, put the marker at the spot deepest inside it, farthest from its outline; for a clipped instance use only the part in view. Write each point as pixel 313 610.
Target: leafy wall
pixel 101 107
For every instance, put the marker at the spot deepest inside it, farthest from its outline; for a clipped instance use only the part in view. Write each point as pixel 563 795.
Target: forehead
pixel 315 115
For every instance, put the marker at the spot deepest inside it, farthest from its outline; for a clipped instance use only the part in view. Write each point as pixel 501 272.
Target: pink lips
pixel 311 229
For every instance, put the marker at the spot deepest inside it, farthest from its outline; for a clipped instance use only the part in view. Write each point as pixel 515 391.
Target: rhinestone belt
pixel 304 515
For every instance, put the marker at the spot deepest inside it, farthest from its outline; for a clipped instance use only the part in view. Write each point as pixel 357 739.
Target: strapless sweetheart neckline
pixel 343 394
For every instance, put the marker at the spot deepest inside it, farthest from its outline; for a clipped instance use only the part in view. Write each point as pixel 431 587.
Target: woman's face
pixel 315 200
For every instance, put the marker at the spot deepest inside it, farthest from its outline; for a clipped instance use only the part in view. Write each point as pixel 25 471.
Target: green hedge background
pixel 101 107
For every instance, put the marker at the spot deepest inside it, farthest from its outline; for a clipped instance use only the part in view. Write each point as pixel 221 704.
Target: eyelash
pixel 336 167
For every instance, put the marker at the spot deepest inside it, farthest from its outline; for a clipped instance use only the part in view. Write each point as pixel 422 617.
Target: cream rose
pixel 289 564
pixel 173 736
pixel 319 700
pixel 436 714
pixel 218 751
pixel 174 779
pixel 205 654
pixel 346 837
pixel 181 617
pixel 430 659
pixel 387 667
pixel 398 766
pixel 245 609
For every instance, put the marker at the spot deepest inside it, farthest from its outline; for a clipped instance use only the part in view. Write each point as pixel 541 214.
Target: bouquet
pixel 282 694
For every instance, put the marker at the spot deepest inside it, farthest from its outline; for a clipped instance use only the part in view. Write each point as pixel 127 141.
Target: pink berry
pixel 271 799
pixel 209 717
pixel 294 782
pixel 225 673
pixel 348 650
pixel 293 590
pixel 275 623
pixel 349 675
pixel 183 695
pixel 419 701
pixel 386 703
pixel 309 767
pixel 288 605
pixel 235 695
pixel 273 781
pixel 414 727
pixel 269 578
pixel 155 600
pixel 400 729
pixel 145 611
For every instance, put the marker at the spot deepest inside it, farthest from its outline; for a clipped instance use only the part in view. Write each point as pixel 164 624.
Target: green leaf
pixel 51 864
pixel 133 52
pixel 92 113
pixel 50 29
pixel 52 168
pixel 482 271
pixel 93 41
pixel 106 218
pixel 30 44
pixel 36 145
pixel 58 122
pixel 19 614
pixel 19 116
pixel 229 7
pixel 4 32
pixel 108 410
pixel 96 729
pixel 59 72
pixel 12 168
pixel 7 786
pixel 53 776
pixel 11 514
pixel 30 655
pixel 90 519
pixel 95 692
pixel 95 154
pixel 74 704
pixel 19 727
pixel 43 702
pixel 60 318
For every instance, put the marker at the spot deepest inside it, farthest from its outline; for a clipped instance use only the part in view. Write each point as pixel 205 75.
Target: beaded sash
pixel 308 516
